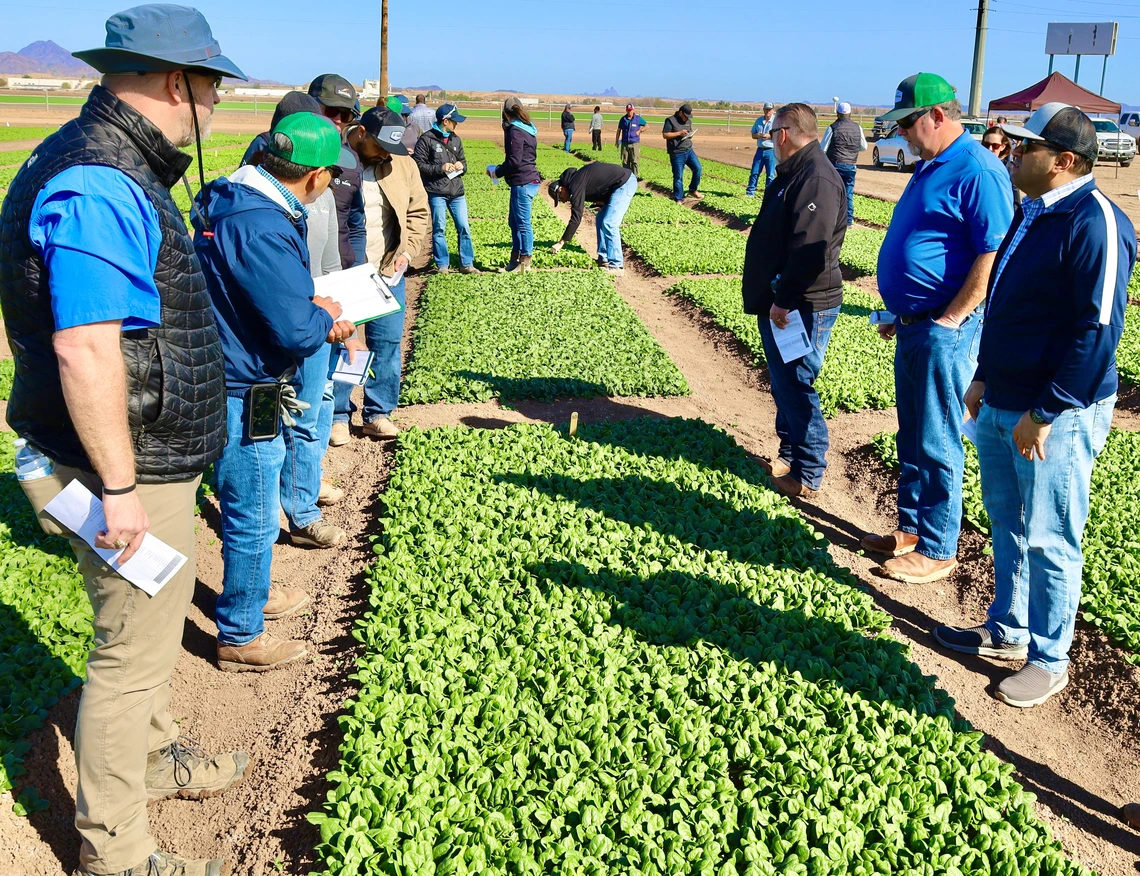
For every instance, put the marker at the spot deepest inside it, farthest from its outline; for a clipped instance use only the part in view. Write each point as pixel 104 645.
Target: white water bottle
pixel 30 463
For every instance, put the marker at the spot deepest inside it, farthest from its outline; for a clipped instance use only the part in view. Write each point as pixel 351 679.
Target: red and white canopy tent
pixel 1055 87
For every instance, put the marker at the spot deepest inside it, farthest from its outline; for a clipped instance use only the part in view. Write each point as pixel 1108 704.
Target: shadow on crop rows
pixel 537 388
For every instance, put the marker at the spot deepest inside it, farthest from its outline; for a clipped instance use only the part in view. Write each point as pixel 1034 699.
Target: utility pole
pixel 383 96
pixel 979 58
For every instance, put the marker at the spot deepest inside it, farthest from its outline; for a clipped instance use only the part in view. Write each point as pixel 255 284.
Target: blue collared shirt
pixel 99 237
pixel 763 126
pixel 955 208
pixel 293 202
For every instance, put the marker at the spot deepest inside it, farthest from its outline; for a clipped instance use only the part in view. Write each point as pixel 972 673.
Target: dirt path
pixel 1078 752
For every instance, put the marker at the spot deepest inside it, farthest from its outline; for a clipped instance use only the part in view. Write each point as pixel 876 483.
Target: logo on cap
pixel 343 92
pixel 395 136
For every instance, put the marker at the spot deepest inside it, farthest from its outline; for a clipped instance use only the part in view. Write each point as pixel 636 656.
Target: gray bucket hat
pixel 158 37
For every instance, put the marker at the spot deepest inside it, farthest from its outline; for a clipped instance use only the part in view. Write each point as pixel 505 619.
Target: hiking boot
pixel 789 486
pixel 896 544
pixel 284 601
pixel 183 769
pixel 978 640
pixel 603 262
pixel 1130 815
pixel 777 468
pixel 162 864
pixel 524 264
pixel 916 568
pixel 340 435
pixel 1030 686
pixel 696 196
pixel 263 653
pixel 330 494
pixel 381 427
pixel 469 269
pixel 320 534
pixel 512 265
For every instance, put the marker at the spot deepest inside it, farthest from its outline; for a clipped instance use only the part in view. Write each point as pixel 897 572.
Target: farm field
pixel 616 650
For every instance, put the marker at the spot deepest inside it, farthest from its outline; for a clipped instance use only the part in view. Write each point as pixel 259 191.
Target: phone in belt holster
pixel 263 412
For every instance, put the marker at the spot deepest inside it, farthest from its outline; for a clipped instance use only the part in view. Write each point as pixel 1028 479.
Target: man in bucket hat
pixel 1043 396
pixel 120 384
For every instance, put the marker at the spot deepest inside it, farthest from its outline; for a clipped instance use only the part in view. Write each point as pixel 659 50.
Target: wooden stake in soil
pixel 573 424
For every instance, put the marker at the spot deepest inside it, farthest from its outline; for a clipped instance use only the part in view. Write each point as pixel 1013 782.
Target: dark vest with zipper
pixel 175 374
pixel 844 145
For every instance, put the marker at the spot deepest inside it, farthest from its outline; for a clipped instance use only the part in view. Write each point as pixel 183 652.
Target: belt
pixel 920 317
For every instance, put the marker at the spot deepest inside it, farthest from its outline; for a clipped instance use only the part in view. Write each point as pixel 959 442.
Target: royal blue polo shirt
pixel 955 208
pixel 99 237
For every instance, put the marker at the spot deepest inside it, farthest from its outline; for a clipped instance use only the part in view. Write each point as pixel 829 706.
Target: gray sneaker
pixel 162 864
pixel 1030 686
pixel 978 640
pixel 320 534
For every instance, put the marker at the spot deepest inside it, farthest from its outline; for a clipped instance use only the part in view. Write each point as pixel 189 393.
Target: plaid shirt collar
pixel 1035 207
pixel 291 200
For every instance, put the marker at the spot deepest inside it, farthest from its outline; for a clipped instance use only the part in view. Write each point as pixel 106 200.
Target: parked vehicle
pixel 976 128
pixel 1113 144
pixel 1130 124
pixel 893 150
pixel 879 129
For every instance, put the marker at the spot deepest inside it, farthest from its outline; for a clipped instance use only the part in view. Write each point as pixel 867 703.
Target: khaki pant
pixel 124 713
pixel 630 156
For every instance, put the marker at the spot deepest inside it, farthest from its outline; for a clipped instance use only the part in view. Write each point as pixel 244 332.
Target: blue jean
pixel 763 159
pixel 1038 510
pixel 847 174
pixel 306 443
pixel 799 422
pixel 383 337
pixel 569 134
pixel 518 218
pixel 248 475
pixel 609 222
pixel 440 207
pixel 679 161
pixel 933 367
pixel 341 393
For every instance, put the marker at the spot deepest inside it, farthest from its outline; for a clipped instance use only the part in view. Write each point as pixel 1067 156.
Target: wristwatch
pixel 1037 418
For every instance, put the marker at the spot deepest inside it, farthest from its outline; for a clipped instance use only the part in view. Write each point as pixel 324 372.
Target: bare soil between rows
pixel 1078 752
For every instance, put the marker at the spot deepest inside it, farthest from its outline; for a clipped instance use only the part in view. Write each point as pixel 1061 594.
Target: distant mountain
pixel 609 92
pixel 422 88
pixel 46 58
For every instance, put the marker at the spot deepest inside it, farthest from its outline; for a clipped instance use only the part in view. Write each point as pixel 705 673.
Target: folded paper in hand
pixel 792 341
pixel 363 295
pixel 970 429
pixel 152 566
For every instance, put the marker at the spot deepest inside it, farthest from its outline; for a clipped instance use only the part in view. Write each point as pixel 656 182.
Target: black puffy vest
pixel 175 373
pixel 845 139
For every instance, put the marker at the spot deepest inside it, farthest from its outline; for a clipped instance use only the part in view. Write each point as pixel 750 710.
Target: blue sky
pixel 799 50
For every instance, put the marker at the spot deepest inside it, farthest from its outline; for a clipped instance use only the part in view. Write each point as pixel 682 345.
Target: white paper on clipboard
pixel 792 341
pixel 352 369
pixel 363 295
pixel 152 566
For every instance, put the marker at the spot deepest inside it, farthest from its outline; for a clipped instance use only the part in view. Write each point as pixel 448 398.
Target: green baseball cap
pixel 917 92
pixel 308 140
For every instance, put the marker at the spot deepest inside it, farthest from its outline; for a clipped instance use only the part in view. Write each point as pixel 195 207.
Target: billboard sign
pixel 1081 38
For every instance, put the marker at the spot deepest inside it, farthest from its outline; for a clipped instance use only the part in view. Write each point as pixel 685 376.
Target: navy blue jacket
pixel 257 274
pixel 1056 313
pixel 521 148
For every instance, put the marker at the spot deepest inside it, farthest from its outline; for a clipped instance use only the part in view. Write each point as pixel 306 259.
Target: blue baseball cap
pixel 449 111
pixel 159 37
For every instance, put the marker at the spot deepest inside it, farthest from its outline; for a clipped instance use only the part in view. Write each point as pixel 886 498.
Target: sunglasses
pixel 1030 145
pixel 908 122
pixel 992 146
pixel 338 112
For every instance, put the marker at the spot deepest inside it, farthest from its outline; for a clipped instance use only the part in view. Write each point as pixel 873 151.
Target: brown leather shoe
pixel 263 653
pixel 284 601
pixel 916 568
pixel 777 468
pixel 894 545
pixel 1130 813
pixel 792 488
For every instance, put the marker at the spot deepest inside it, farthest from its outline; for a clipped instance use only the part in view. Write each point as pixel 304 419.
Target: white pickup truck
pixel 1113 143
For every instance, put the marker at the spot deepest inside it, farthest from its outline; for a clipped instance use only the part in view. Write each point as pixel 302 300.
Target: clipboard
pixel 363 295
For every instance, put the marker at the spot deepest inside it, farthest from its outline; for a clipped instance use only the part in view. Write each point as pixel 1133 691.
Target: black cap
pixel 295 102
pixel 687 109
pixel 335 91
pixel 563 181
pixel 387 128
pixel 1060 125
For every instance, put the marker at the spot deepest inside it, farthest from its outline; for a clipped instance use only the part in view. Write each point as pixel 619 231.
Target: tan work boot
pixel 319 533
pixel 284 601
pixel 896 544
pixel 916 568
pixel 512 265
pixel 263 653
pixel 1130 813
pixel 792 488
pixel 524 264
pixel 381 427
pixel 777 468
pixel 330 494
pixel 162 864
pixel 340 435
pixel 183 769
